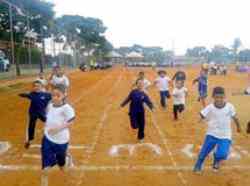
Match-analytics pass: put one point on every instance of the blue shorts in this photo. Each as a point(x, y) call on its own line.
point(202, 94)
point(52, 153)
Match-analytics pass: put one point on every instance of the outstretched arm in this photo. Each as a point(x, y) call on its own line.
point(237, 123)
point(24, 95)
point(126, 101)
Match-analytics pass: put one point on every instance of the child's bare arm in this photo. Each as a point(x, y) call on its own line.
point(237, 123)
point(24, 95)
point(61, 127)
point(126, 101)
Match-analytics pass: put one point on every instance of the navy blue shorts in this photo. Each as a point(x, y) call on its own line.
point(53, 154)
point(202, 94)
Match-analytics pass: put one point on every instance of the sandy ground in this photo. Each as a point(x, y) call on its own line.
point(101, 125)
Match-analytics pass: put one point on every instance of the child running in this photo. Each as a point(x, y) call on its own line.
point(202, 87)
point(180, 75)
point(137, 98)
point(58, 77)
point(146, 82)
point(42, 79)
point(163, 82)
point(39, 101)
point(60, 116)
point(219, 133)
point(179, 97)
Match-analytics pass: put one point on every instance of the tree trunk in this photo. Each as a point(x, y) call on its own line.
point(42, 61)
point(18, 71)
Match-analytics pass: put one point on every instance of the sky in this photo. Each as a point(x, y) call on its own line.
point(171, 24)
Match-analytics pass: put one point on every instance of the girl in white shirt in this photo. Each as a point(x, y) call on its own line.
point(146, 82)
point(163, 82)
point(60, 116)
point(219, 133)
point(179, 98)
point(59, 78)
point(42, 79)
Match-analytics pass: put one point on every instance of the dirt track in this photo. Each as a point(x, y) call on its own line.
point(100, 124)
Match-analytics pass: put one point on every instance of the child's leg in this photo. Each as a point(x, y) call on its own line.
point(133, 122)
point(181, 108)
point(48, 154)
point(163, 99)
point(61, 153)
point(175, 110)
point(203, 102)
point(207, 147)
point(30, 133)
point(222, 151)
point(141, 125)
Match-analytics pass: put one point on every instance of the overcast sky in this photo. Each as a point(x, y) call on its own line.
point(167, 23)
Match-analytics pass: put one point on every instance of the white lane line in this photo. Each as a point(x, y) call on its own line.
point(70, 146)
point(115, 149)
point(91, 150)
point(34, 156)
point(104, 117)
point(165, 142)
point(94, 168)
point(4, 146)
point(188, 150)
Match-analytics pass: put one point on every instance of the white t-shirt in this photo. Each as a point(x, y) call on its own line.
point(219, 120)
point(60, 80)
point(146, 83)
point(179, 95)
point(43, 81)
point(56, 117)
point(163, 83)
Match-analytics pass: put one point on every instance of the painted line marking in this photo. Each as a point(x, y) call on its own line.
point(70, 146)
point(4, 147)
point(122, 168)
point(115, 149)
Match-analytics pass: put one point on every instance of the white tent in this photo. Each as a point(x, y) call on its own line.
point(134, 55)
point(114, 54)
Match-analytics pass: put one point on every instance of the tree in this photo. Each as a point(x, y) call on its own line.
point(220, 54)
point(236, 45)
point(199, 51)
point(83, 34)
point(244, 55)
point(36, 14)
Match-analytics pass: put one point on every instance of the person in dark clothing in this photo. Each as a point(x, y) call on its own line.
point(137, 98)
point(37, 110)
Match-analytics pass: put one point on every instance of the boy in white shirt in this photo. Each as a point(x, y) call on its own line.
point(163, 82)
point(146, 82)
point(60, 116)
point(179, 98)
point(59, 78)
point(219, 133)
point(42, 79)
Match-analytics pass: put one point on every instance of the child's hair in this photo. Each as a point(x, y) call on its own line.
point(162, 72)
point(37, 82)
point(137, 81)
point(60, 87)
point(218, 91)
point(141, 73)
